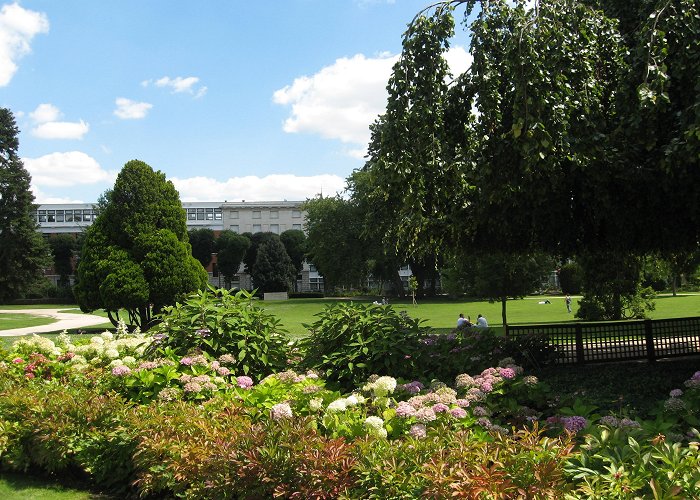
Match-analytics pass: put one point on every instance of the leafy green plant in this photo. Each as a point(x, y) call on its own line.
point(219, 322)
point(349, 342)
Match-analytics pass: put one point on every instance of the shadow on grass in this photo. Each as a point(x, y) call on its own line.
point(18, 486)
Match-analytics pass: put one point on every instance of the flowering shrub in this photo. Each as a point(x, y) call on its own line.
point(349, 342)
point(218, 322)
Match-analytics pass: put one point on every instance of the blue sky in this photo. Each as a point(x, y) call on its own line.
point(232, 100)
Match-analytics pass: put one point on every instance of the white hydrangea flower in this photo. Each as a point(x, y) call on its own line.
point(384, 386)
point(337, 406)
point(129, 360)
point(111, 353)
point(116, 362)
point(315, 404)
point(97, 340)
point(107, 336)
point(351, 400)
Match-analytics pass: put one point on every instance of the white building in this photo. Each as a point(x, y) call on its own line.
point(240, 217)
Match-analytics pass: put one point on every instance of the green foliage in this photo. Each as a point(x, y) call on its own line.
point(334, 244)
point(612, 288)
point(349, 342)
point(273, 270)
point(231, 248)
point(203, 245)
point(219, 322)
point(294, 241)
point(23, 252)
point(62, 248)
point(571, 278)
point(136, 256)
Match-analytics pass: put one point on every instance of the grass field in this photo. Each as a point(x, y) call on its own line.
point(10, 321)
point(440, 314)
point(24, 487)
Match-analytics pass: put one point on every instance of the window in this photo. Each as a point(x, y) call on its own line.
point(296, 214)
point(191, 214)
point(59, 215)
point(78, 215)
point(275, 228)
point(217, 214)
point(210, 214)
point(257, 228)
point(234, 228)
point(274, 214)
point(200, 214)
point(296, 226)
point(69, 215)
point(316, 284)
point(312, 268)
point(234, 214)
point(256, 214)
point(51, 216)
point(42, 215)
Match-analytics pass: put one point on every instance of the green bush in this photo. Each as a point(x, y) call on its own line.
point(218, 322)
point(571, 278)
point(349, 342)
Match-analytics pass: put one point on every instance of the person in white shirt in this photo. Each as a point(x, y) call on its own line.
point(481, 322)
point(461, 321)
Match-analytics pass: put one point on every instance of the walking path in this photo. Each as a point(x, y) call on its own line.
point(65, 321)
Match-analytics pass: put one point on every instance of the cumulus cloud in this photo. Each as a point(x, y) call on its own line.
point(66, 169)
point(131, 110)
point(48, 127)
point(342, 100)
point(252, 188)
point(45, 113)
point(40, 197)
point(179, 85)
point(61, 130)
point(18, 26)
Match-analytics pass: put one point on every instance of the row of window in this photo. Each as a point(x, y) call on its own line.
point(84, 215)
point(257, 228)
point(203, 214)
point(274, 214)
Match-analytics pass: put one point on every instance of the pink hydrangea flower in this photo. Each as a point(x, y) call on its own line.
point(18, 361)
point(458, 412)
point(418, 431)
point(405, 410)
point(281, 411)
point(575, 423)
point(507, 373)
point(440, 408)
point(244, 382)
point(121, 370)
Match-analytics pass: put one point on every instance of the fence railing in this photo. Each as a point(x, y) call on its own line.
point(581, 343)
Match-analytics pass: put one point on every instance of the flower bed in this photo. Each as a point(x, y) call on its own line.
point(145, 422)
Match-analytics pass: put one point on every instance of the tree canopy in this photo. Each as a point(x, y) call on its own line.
point(203, 245)
point(23, 252)
point(576, 128)
point(273, 270)
point(136, 256)
point(231, 248)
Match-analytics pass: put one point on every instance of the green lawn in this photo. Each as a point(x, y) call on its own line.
point(441, 313)
point(10, 321)
point(22, 487)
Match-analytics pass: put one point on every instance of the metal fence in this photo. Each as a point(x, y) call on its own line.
point(579, 343)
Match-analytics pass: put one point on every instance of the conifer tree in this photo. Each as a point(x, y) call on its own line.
point(23, 251)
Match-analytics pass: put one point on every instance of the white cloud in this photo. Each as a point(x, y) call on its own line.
point(131, 110)
point(61, 130)
point(17, 28)
point(66, 169)
point(252, 188)
point(342, 100)
point(45, 113)
point(41, 197)
point(179, 85)
point(46, 116)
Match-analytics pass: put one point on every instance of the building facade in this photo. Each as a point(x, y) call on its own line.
point(239, 217)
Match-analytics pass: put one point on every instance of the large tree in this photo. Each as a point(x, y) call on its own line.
point(334, 241)
point(203, 244)
point(136, 256)
point(273, 270)
point(294, 241)
point(231, 248)
point(63, 248)
point(23, 252)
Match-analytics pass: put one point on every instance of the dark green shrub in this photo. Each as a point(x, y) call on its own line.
point(219, 322)
point(571, 278)
point(349, 342)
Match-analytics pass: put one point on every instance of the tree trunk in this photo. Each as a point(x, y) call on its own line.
point(503, 314)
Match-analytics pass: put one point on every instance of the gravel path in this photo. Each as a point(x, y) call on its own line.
point(65, 321)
